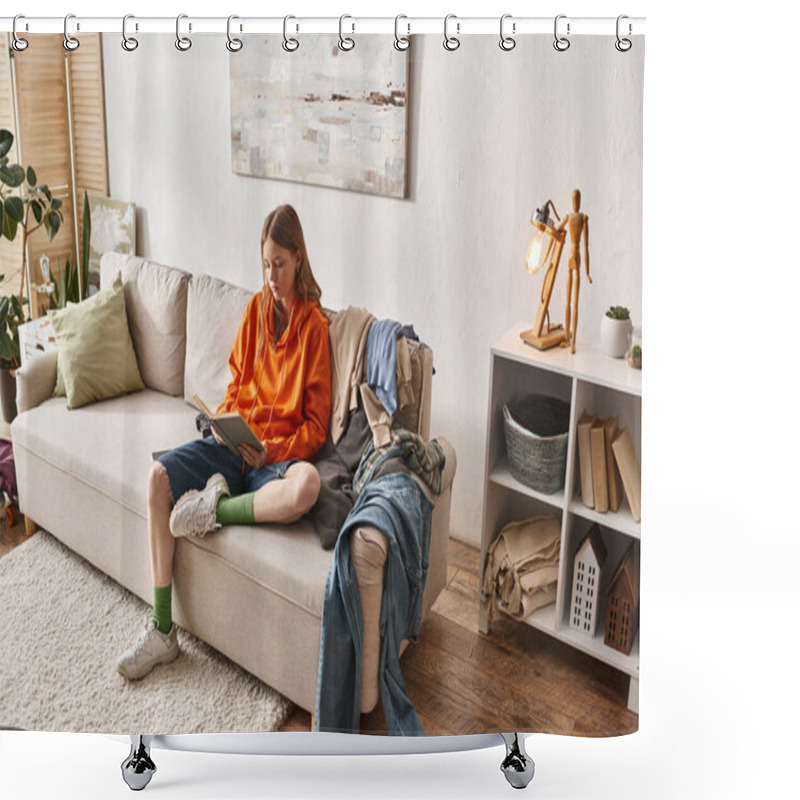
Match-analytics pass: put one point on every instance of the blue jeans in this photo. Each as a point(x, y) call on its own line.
point(397, 506)
point(192, 464)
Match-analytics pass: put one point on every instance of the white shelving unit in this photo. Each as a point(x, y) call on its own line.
point(588, 380)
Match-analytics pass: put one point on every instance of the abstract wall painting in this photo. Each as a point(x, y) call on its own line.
point(342, 127)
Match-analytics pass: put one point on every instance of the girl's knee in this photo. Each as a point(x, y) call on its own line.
point(158, 488)
point(308, 486)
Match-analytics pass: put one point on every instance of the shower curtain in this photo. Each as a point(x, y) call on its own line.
point(417, 175)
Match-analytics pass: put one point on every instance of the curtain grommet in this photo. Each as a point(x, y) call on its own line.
point(623, 44)
point(451, 43)
point(290, 44)
point(561, 43)
point(346, 43)
point(183, 43)
point(233, 44)
point(17, 42)
point(70, 42)
point(129, 43)
point(507, 43)
point(401, 43)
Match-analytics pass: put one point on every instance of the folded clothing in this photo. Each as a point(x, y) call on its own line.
point(522, 566)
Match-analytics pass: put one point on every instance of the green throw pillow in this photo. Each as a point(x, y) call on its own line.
point(95, 353)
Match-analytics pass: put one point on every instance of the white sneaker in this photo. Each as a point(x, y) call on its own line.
point(151, 649)
point(195, 513)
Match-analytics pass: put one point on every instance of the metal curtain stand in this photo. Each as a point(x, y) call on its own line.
point(138, 768)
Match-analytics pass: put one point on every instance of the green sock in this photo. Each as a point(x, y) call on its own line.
point(236, 510)
point(162, 607)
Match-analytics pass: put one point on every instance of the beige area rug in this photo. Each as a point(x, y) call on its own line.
point(62, 626)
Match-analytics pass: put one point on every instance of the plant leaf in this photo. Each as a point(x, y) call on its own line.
point(37, 210)
point(85, 244)
point(55, 224)
point(31, 176)
point(15, 208)
point(9, 227)
point(6, 140)
point(13, 175)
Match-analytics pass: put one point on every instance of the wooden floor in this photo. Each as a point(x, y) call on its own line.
point(514, 679)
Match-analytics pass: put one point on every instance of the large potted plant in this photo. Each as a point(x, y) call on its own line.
point(25, 206)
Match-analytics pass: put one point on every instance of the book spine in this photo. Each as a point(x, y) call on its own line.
point(614, 478)
point(585, 458)
point(599, 476)
point(630, 471)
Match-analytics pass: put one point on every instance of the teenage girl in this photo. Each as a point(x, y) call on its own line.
point(281, 384)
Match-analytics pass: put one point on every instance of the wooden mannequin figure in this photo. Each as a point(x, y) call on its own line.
point(578, 227)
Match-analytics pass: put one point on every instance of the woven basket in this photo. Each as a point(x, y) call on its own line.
point(536, 430)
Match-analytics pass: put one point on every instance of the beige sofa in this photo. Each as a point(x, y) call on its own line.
point(82, 476)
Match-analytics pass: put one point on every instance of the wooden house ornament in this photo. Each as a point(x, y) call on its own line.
point(622, 611)
point(586, 572)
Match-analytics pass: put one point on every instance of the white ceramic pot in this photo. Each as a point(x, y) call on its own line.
point(614, 335)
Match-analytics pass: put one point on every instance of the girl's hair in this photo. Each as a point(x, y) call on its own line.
point(282, 225)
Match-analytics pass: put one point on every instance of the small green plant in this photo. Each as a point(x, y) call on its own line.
point(636, 353)
point(618, 312)
point(66, 286)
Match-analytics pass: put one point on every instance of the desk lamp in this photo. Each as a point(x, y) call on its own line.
point(545, 248)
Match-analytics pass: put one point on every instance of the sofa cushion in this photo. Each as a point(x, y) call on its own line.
point(95, 354)
point(124, 434)
point(213, 313)
point(155, 298)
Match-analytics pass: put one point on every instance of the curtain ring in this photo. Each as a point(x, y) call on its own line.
point(17, 42)
point(451, 42)
point(183, 43)
point(401, 42)
point(561, 43)
point(507, 42)
point(128, 43)
point(233, 44)
point(290, 44)
point(70, 42)
point(623, 45)
point(345, 42)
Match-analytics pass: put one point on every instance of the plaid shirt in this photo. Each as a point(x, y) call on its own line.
point(426, 459)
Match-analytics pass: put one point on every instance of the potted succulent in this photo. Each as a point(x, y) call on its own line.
point(614, 329)
point(25, 206)
point(635, 349)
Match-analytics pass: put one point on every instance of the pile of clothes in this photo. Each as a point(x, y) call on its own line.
point(367, 468)
point(522, 566)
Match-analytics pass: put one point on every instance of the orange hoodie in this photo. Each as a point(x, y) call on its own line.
point(283, 391)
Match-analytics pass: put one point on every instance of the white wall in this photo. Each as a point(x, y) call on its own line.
point(492, 135)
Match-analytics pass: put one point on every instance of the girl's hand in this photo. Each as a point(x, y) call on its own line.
point(255, 458)
point(217, 438)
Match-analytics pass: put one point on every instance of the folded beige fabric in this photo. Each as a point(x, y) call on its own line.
point(522, 566)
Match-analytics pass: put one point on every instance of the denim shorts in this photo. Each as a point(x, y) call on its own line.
point(192, 464)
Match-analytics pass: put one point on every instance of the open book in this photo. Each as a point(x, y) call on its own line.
point(231, 427)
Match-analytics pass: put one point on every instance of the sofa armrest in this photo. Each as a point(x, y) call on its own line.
point(36, 380)
point(368, 551)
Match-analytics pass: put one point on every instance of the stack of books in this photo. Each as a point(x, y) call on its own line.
point(608, 464)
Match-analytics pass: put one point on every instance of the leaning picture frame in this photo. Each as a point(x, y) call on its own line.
point(113, 230)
